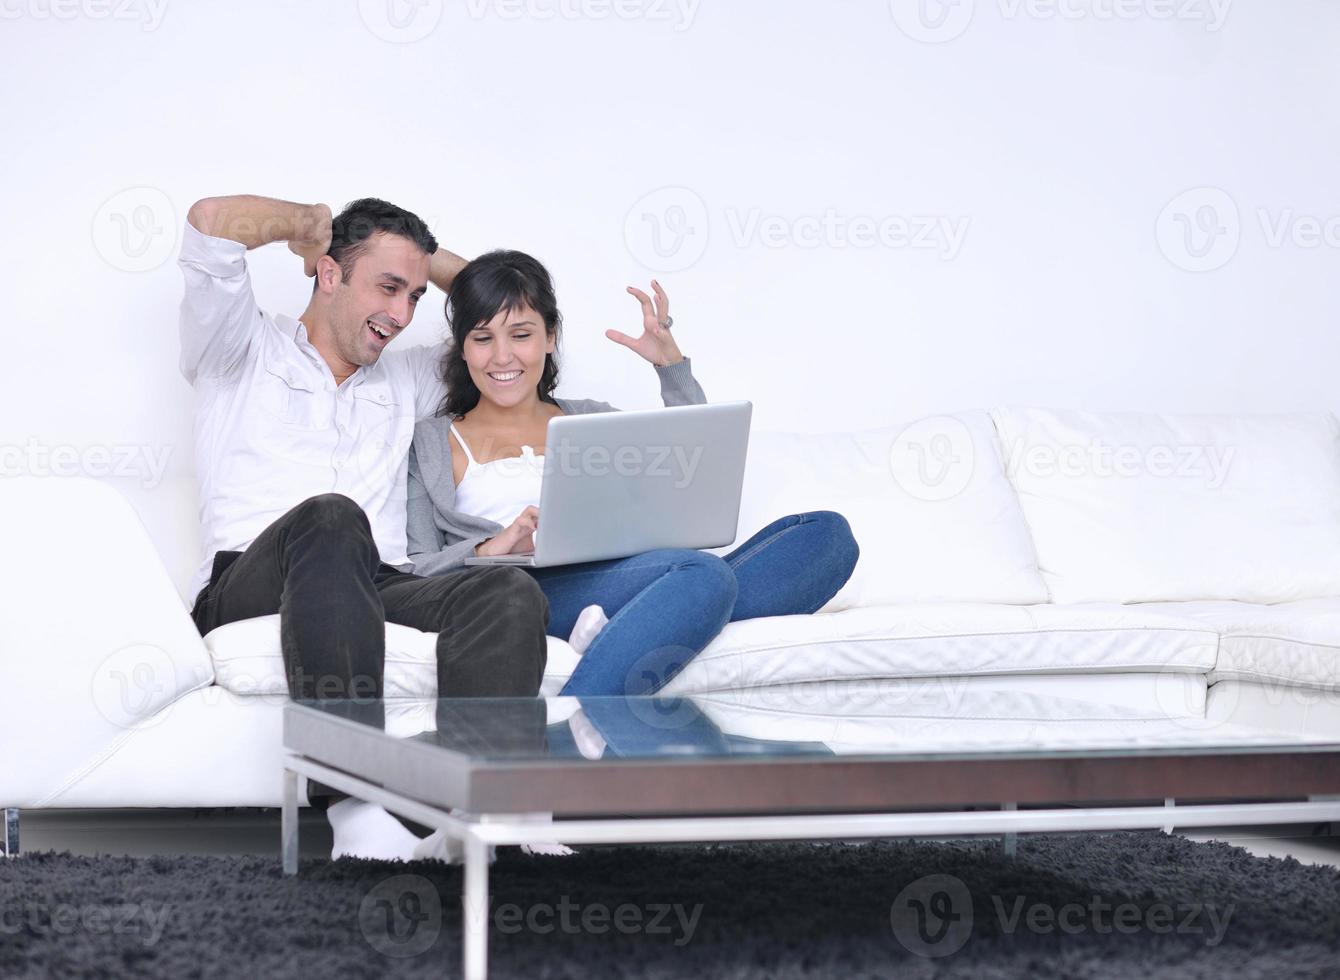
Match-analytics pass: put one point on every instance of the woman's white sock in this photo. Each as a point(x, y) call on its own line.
point(590, 621)
point(366, 830)
point(544, 848)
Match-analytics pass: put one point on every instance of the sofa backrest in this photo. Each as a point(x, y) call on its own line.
point(1131, 507)
point(928, 502)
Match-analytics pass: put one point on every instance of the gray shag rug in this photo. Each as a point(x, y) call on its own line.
point(1123, 905)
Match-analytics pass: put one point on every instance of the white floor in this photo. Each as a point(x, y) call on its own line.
point(249, 831)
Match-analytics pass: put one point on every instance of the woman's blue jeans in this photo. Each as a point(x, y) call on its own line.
point(665, 606)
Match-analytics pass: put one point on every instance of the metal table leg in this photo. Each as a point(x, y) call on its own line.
point(475, 918)
point(288, 832)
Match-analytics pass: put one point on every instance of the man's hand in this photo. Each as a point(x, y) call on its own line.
point(655, 345)
point(517, 538)
point(312, 237)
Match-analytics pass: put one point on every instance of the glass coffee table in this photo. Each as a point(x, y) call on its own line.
point(768, 765)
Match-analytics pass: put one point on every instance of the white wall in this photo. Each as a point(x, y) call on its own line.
point(1050, 134)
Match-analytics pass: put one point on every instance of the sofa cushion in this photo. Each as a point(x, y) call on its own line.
point(1291, 644)
point(946, 639)
point(247, 660)
point(982, 720)
point(1302, 712)
point(928, 502)
point(1164, 694)
point(1139, 507)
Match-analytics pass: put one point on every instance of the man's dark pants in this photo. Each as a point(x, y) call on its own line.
point(318, 567)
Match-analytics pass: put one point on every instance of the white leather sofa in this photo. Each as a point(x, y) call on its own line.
point(1158, 566)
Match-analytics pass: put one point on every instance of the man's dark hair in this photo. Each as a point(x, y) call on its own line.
point(361, 219)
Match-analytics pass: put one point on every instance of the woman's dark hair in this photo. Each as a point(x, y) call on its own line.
point(493, 283)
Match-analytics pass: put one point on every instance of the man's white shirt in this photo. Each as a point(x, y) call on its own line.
point(272, 428)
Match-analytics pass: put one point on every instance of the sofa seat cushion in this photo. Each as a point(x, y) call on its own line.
point(947, 639)
point(247, 660)
point(1305, 712)
point(1159, 694)
point(1292, 644)
point(975, 720)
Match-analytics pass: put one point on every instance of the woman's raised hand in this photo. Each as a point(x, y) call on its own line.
point(656, 344)
point(517, 538)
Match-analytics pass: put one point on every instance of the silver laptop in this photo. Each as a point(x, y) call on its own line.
point(621, 483)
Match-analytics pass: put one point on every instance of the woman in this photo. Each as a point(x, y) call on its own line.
point(474, 487)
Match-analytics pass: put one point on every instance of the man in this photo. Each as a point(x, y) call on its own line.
point(302, 431)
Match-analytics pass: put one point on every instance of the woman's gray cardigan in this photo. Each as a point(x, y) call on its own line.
point(441, 537)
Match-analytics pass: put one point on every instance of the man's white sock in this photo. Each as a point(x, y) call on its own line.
point(366, 830)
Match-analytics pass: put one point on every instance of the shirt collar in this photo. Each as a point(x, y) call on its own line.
point(298, 329)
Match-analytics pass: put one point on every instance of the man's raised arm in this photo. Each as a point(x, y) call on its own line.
point(219, 315)
point(443, 267)
point(255, 221)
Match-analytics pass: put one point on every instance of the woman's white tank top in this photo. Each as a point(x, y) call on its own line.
point(501, 489)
